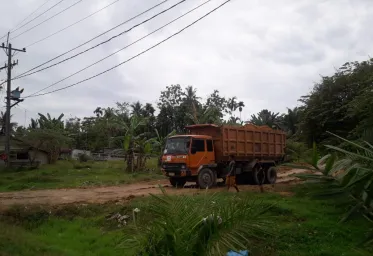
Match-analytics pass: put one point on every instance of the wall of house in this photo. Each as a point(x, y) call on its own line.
point(76, 152)
point(41, 157)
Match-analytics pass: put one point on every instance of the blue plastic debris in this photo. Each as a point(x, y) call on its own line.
point(240, 253)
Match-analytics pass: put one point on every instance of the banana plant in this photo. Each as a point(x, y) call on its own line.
point(131, 139)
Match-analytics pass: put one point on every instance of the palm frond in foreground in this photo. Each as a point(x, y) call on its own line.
point(351, 175)
point(212, 225)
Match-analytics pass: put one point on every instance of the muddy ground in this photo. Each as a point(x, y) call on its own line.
point(125, 192)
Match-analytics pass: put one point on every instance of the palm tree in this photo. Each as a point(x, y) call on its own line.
point(291, 120)
point(3, 116)
point(241, 105)
point(190, 95)
point(193, 226)
point(232, 105)
point(137, 108)
point(265, 117)
point(206, 115)
point(191, 100)
point(148, 110)
point(98, 111)
point(109, 113)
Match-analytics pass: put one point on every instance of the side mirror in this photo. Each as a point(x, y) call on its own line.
point(193, 150)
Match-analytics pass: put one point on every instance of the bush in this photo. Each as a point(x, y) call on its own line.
point(295, 151)
point(84, 158)
point(349, 177)
point(211, 225)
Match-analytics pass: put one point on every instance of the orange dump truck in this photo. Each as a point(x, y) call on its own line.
point(202, 155)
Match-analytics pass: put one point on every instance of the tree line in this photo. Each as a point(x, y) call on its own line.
point(339, 104)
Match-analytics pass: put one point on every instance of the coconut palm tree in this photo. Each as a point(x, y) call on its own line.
point(137, 109)
point(3, 116)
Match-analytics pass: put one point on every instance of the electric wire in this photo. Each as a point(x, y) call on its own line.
point(107, 31)
point(37, 9)
point(73, 24)
point(135, 56)
point(44, 21)
point(125, 47)
point(104, 42)
point(50, 8)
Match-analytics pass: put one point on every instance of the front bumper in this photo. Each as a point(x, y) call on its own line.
point(175, 170)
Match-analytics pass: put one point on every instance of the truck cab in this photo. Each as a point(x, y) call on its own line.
point(185, 155)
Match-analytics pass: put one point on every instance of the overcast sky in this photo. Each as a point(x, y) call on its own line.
point(268, 53)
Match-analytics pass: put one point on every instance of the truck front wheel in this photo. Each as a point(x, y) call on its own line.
point(206, 178)
point(177, 182)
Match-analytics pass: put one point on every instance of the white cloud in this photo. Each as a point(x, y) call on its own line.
point(268, 53)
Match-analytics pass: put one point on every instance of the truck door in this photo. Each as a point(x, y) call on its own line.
point(210, 155)
point(197, 155)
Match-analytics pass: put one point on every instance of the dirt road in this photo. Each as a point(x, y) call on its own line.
point(116, 193)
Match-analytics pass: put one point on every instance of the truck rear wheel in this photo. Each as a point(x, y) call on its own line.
point(206, 178)
point(259, 175)
point(177, 182)
point(271, 175)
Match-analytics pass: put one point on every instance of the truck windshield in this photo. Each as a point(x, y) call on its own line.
point(177, 146)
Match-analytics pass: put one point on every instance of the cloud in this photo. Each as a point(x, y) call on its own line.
point(267, 53)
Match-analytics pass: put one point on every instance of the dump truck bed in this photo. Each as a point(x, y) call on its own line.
point(244, 142)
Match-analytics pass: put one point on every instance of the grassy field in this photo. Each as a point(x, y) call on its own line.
point(65, 174)
point(302, 226)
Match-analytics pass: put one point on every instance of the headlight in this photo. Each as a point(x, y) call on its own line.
point(164, 166)
point(183, 167)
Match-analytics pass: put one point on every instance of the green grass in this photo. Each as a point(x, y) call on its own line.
point(302, 226)
point(65, 174)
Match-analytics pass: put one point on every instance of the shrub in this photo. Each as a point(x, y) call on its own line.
point(185, 225)
point(350, 175)
point(84, 158)
point(295, 151)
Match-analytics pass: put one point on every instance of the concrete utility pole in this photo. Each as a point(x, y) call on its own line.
point(9, 67)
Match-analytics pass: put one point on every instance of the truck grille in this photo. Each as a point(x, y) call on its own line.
point(172, 167)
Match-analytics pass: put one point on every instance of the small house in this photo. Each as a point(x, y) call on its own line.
point(23, 153)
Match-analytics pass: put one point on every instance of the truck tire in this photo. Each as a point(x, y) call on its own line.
point(177, 182)
point(259, 175)
point(206, 178)
point(271, 175)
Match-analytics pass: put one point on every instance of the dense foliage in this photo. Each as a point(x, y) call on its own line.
point(340, 104)
point(213, 226)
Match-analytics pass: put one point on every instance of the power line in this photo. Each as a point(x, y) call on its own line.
point(107, 31)
point(104, 42)
point(37, 9)
point(138, 40)
point(63, 29)
point(55, 15)
point(133, 57)
point(36, 17)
